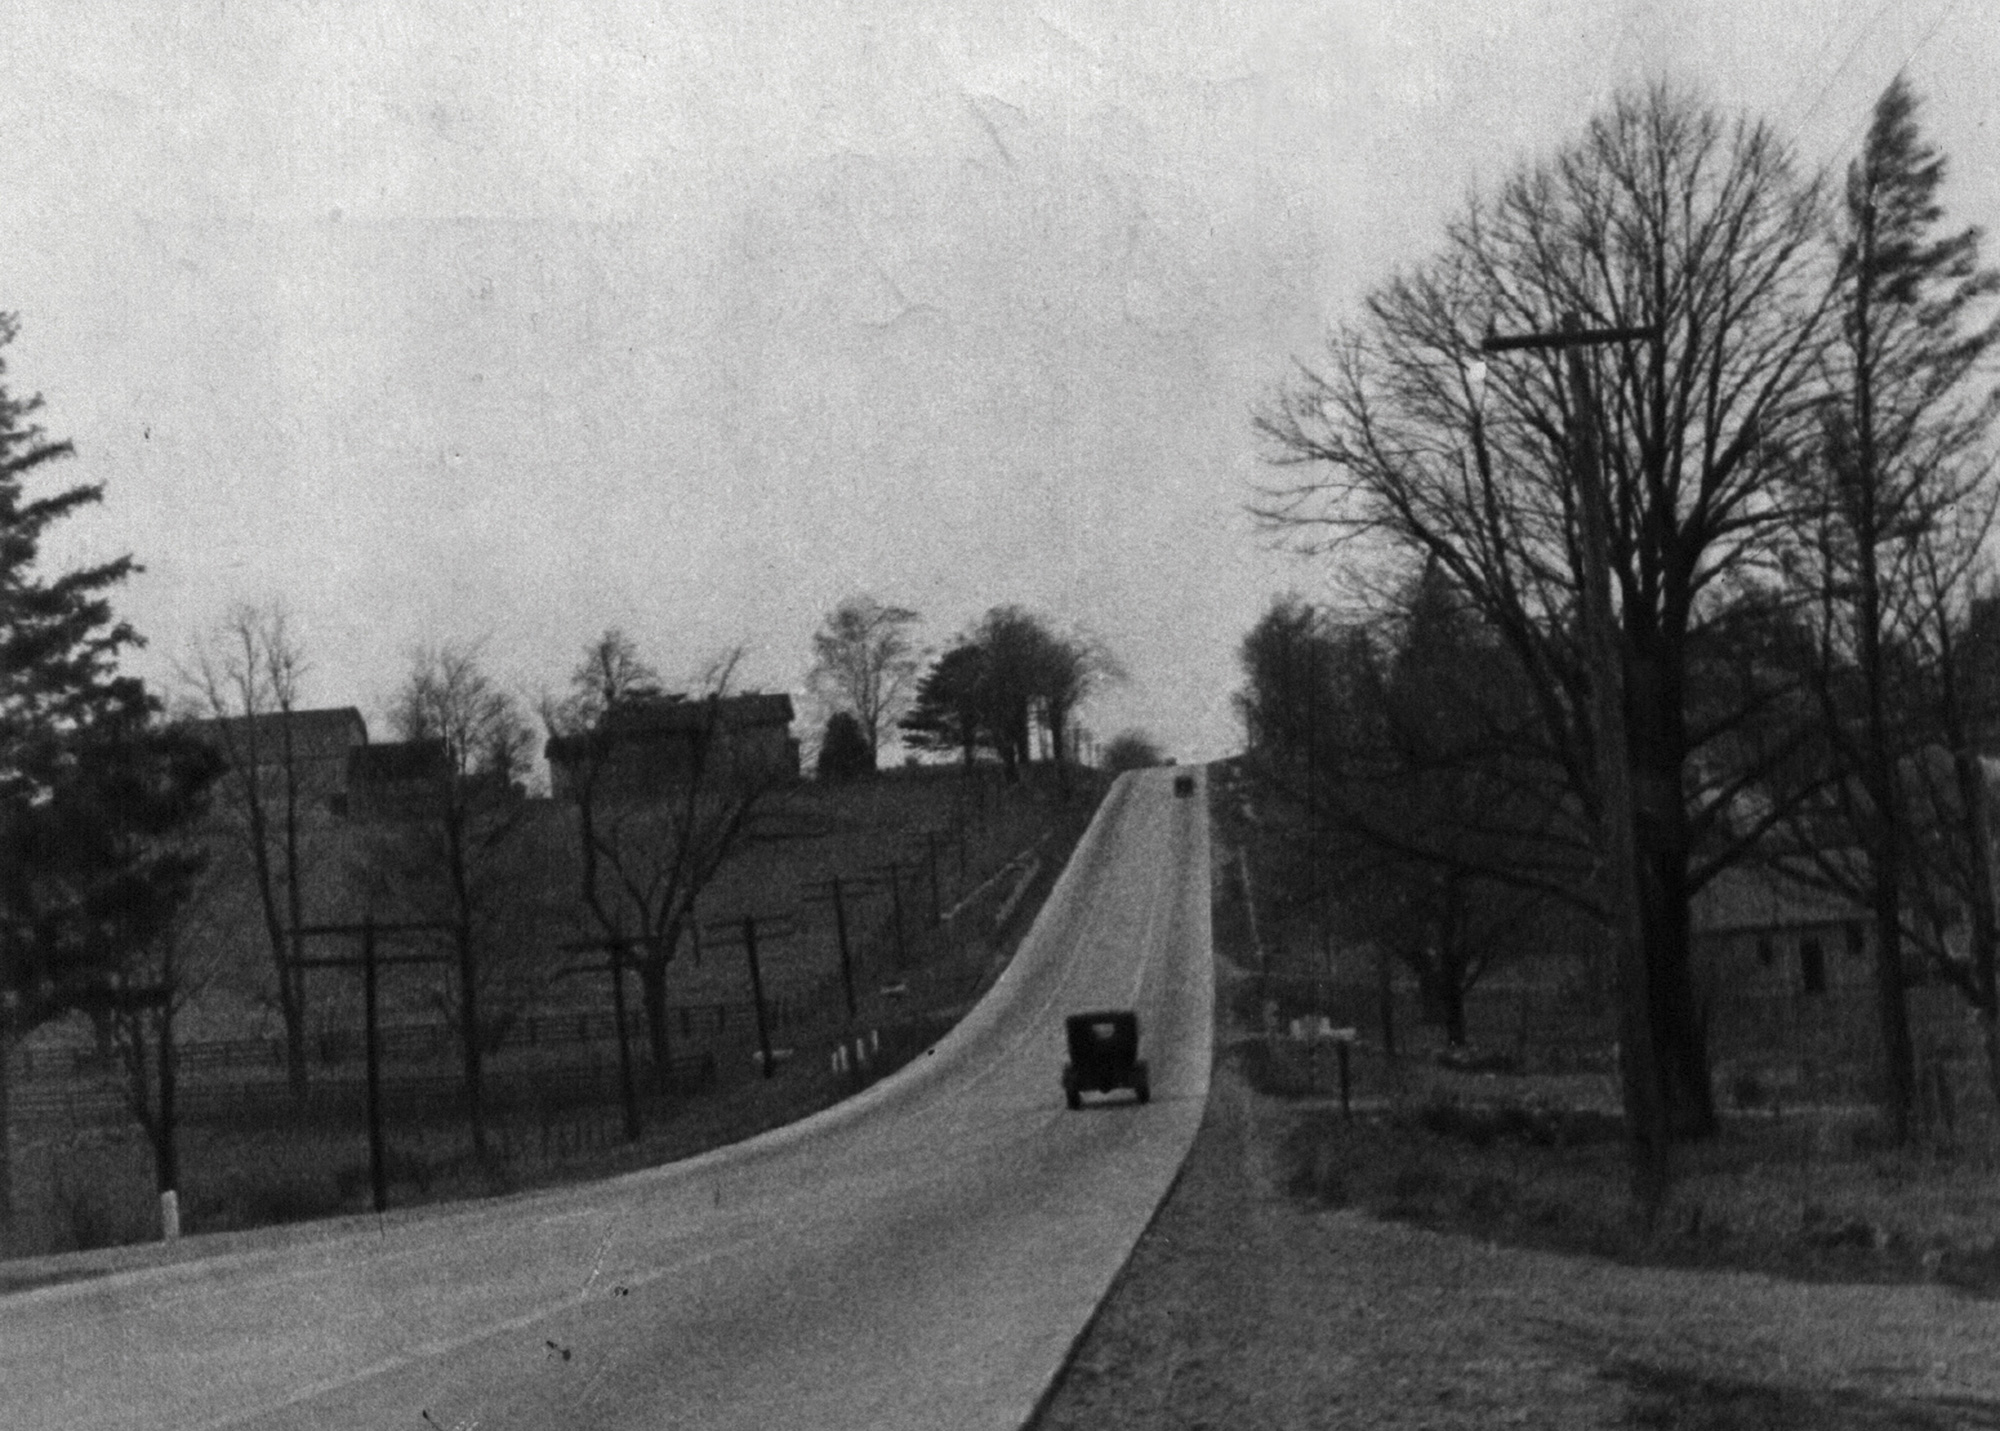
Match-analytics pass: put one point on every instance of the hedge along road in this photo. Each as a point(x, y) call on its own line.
point(923, 1255)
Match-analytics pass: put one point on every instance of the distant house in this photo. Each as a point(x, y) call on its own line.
point(1757, 930)
point(319, 742)
point(654, 744)
point(394, 777)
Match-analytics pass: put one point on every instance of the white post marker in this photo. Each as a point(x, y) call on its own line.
point(170, 1216)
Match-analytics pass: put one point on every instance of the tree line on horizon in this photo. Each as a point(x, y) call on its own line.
point(1782, 384)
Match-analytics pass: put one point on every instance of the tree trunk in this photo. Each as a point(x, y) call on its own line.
point(6, 1139)
point(653, 995)
point(1451, 1005)
point(291, 1008)
point(1989, 1032)
point(1879, 768)
point(468, 996)
point(1680, 1041)
point(1657, 747)
point(292, 988)
point(1984, 936)
point(166, 1149)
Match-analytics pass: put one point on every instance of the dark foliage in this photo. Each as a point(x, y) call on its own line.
point(844, 753)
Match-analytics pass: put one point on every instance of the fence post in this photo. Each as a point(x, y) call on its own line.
point(757, 991)
point(378, 1172)
point(846, 958)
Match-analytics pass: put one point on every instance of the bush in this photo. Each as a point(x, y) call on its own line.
point(1131, 750)
point(843, 750)
point(1536, 1124)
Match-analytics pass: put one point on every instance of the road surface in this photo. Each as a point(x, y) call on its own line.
point(921, 1256)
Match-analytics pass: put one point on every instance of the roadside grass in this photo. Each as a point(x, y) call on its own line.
point(1508, 1144)
point(1669, 1399)
point(79, 1189)
point(1529, 1152)
point(1767, 1195)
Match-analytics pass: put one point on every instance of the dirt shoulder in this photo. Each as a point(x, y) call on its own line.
point(1245, 1306)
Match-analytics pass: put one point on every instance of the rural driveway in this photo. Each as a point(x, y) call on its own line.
point(921, 1256)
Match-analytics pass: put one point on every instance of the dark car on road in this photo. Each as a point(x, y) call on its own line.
point(1104, 1056)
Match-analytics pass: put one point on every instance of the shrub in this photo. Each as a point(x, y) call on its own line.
point(843, 749)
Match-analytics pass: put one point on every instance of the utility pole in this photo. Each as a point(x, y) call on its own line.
point(937, 901)
point(746, 931)
point(370, 963)
point(1645, 1103)
point(133, 1000)
point(615, 950)
point(831, 892)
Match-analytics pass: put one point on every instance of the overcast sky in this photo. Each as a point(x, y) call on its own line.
point(458, 321)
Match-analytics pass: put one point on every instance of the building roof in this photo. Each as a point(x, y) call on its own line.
point(679, 713)
point(390, 761)
point(1748, 898)
point(316, 734)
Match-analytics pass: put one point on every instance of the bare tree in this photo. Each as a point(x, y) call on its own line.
point(1069, 670)
point(865, 662)
point(458, 858)
point(646, 849)
point(178, 963)
point(1662, 215)
point(246, 678)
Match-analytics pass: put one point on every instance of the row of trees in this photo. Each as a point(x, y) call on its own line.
point(1001, 679)
point(1008, 675)
point(1779, 386)
point(1418, 834)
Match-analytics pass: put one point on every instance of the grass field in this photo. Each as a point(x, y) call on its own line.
point(263, 1161)
point(1521, 1143)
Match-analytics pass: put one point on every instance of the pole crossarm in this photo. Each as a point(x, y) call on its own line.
point(125, 998)
point(411, 926)
point(821, 892)
point(730, 931)
point(370, 963)
point(1568, 338)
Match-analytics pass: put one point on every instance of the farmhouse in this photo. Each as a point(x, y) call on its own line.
point(316, 742)
point(394, 778)
point(651, 745)
point(1758, 931)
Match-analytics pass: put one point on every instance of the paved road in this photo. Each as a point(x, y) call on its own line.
point(922, 1256)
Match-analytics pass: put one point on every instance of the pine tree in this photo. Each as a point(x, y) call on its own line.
point(1900, 429)
point(946, 715)
point(90, 784)
point(843, 750)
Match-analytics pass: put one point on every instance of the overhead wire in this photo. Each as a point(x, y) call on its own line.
point(1861, 36)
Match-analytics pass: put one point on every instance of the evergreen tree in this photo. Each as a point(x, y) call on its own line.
point(89, 781)
point(84, 773)
point(843, 750)
point(946, 715)
point(1903, 499)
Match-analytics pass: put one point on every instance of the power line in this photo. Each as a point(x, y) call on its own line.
point(1854, 49)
